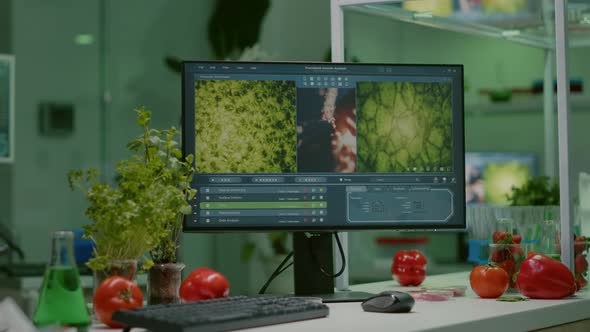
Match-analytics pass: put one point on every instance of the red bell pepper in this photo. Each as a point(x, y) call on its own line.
point(409, 267)
point(542, 277)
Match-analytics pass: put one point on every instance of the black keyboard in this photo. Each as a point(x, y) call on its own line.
point(224, 314)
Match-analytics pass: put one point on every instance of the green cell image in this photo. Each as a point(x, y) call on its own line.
point(403, 126)
point(245, 127)
point(499, 178)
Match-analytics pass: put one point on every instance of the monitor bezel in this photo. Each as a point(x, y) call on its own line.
point(330, 228)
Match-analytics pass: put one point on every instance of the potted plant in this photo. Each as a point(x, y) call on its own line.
point(164, 276)
point(143, 212)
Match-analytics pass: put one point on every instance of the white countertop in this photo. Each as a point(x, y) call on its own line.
point(86, 281)
point(469, 313)
point(458, 314)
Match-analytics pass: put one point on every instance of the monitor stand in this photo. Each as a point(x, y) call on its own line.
point(312, 253)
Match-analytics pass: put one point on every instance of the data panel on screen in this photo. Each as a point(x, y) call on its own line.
point(324, 146)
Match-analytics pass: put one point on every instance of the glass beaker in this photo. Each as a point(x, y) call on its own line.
point(125, 268)
point(505, 225)
point(61, 300)
point(550, 242)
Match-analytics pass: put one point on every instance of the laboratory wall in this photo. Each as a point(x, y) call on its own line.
point(105, 58)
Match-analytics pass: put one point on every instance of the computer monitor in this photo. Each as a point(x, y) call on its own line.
point(324, 146)
point(490, 176)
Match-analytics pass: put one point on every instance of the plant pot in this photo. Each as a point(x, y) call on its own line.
point(164, 283)
point(124, 268)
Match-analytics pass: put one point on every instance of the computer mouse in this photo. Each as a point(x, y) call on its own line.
point(389, 301)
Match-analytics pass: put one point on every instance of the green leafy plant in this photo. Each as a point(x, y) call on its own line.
point(536, 191)
point(144, 212)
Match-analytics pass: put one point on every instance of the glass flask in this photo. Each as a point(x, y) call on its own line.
point(61, 301)
point(550, 243)
point(505, 225)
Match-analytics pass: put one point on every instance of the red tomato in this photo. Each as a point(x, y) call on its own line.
point(516, 252)
point(516, 238)
point(580, 282)
point(409, 267)
point(203, 283)
point(580, 264)
point(409, 276)
point(488, 282)
point(502, 237)
point(116, 293)
point(542, 277)
point(579, 244)
point(509, 266)
point(498, 255)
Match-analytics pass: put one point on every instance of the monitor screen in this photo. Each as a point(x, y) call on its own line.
point(490, 176)
point(323, 146)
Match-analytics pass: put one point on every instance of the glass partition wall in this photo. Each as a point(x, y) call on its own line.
point(509, 52)
point(82, 68)
point(81, 71)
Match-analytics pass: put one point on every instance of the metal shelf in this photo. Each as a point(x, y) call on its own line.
point(552, 25)
point(528, 104)
point(528, 22)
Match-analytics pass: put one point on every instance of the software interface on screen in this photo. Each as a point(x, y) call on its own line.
point(332, 146)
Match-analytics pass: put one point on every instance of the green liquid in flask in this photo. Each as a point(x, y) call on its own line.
point(61, 300)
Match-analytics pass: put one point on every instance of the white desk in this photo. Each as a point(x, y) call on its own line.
point(459, 314)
